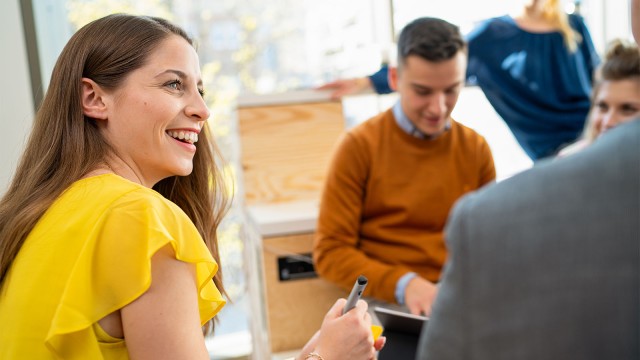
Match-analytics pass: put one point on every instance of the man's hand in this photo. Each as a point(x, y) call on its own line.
point(420, 295)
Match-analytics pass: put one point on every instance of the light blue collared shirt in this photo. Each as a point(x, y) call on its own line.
point(401, 286)
point(407, 126)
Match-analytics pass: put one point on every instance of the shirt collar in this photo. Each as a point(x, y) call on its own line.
point(407, 126)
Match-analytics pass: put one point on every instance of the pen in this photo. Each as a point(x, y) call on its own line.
point(355, 294)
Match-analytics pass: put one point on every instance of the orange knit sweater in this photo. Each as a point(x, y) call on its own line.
point(386, 200)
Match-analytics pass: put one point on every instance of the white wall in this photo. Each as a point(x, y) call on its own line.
point(607, 20)
point(16, 104)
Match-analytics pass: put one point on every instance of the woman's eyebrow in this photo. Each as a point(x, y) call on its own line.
point(179, 73)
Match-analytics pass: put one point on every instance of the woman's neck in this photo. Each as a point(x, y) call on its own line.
point(115, 165)
point(531, 19)
point(532, 11)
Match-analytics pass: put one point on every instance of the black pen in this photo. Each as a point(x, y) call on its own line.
point(355, 294)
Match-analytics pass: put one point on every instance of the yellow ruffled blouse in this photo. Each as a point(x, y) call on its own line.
point(89, 255)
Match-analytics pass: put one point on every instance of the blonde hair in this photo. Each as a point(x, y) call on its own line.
point(555, 15)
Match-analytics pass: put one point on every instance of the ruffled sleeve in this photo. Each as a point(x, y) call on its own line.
point(114, 268)
point(586, 46)
point(379, 80)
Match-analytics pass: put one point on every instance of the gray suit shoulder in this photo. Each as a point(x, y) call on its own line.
point(545, 265)
point(610, 166)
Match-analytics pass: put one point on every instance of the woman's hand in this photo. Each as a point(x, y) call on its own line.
point(345, 336)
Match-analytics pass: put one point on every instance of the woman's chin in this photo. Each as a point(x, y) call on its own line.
point(182, 169)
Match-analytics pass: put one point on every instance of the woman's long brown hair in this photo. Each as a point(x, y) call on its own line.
point(64, 145)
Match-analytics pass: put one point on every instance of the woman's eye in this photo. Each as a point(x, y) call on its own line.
point(175, 84)
point(629, 109)
point(602, 106)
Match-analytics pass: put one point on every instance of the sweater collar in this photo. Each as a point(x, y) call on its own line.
point(408, 127)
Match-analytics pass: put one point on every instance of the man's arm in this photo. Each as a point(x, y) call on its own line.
point(337, 256)
point(445, 336)
point(487, 166)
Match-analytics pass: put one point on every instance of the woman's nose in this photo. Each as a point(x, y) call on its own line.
point(610, 120)
point(197, 108)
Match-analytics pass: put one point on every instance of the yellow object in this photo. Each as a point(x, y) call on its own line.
point(89, 255)
point(376, 330)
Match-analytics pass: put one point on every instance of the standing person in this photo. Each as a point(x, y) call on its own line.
point(108, 230)
point(616, 93)
point(565, 284)
point(394, 177)
point(535, 68)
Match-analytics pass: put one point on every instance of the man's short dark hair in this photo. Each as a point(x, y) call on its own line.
point(432, 39)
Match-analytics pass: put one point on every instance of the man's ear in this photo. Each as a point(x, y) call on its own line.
point(392, 78)
point(93, 104)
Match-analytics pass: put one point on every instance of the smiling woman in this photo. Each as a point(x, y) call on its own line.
point(81, 205)
point(616, 94)
point(163, 95)
point(114, 209)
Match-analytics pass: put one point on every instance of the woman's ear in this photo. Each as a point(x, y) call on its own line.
point(93, 104)
point(392, 78)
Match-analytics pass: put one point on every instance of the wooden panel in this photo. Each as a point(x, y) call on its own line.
point(286, 149)
point(295, 308)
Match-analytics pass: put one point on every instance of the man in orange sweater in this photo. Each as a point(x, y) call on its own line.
point(395, 177)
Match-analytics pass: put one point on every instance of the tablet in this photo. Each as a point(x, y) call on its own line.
point(400, 322)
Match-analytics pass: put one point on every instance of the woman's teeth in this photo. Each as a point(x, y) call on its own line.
point(185, 136)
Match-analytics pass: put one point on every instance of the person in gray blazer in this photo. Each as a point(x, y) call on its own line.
point(546, 264)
